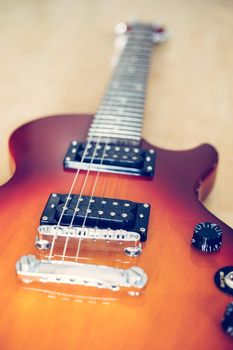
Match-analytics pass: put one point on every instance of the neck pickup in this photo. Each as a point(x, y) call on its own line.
point(104, 157)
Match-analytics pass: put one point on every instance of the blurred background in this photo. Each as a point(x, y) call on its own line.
point(55, 58)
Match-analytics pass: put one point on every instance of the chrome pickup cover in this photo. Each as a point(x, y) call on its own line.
point(30, 269)
point(99, 213)
point(110, 158)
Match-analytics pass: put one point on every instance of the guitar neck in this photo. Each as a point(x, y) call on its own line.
point(119, 118)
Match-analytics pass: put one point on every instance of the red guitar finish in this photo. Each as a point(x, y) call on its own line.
point(181, 308)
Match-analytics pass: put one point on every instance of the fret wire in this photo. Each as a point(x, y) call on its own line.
point(129, 84)
point(114, 133)
point(123, 100)
point(117, 122)
point(118, 80)
point(122, 83)
point(136, 95)
point(123, 107)
point(125, 133)
point(134, 88)
point(141, 45)
point(131, 71)
point(132, 78)
point(119, 112)
point(137, 106)
point(139, 54)
point(130, 67)
point(139, 96)
point(110, 130)
point(135, 66)
point(119, 118)
point(117, 127)
point(116, 102)
point(126, 91)
point(137, 50)
point(134, 60)
point(120, 109)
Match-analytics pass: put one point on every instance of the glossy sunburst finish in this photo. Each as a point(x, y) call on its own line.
point(180, 308)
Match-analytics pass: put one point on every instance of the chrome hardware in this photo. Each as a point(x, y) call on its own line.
point(30, 269)
point(159, 37)
point(121, 28)
point(42, 244)
point(89, 233)
point(133, 251)
point(229, 280)
point(160, 34)
point(129, 241)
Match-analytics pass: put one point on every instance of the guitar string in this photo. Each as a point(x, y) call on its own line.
point(90, 200)
point(79, 200)
point(70, 192)
point(80, 197)
point(91, 197)
point(118, 178)
point(68, 198)
point(127, 143)
point(81, 194)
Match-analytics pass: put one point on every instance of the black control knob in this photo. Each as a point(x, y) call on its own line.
point(227, 322)
point(207, 237)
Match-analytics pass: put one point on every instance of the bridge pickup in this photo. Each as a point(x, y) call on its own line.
point(111, 158)
point(30, 269)
point(120, 224)
point(99, 213)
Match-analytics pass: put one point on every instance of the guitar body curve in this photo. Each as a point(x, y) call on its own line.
point(181, 307)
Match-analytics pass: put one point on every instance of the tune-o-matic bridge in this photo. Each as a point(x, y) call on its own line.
point(113, 158)
point(114, 221)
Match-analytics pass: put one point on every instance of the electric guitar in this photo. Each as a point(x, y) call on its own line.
point(105, 243)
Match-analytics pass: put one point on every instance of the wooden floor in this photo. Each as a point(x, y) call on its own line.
point(56, 55)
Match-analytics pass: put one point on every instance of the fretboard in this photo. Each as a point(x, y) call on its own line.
point(119, 118)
